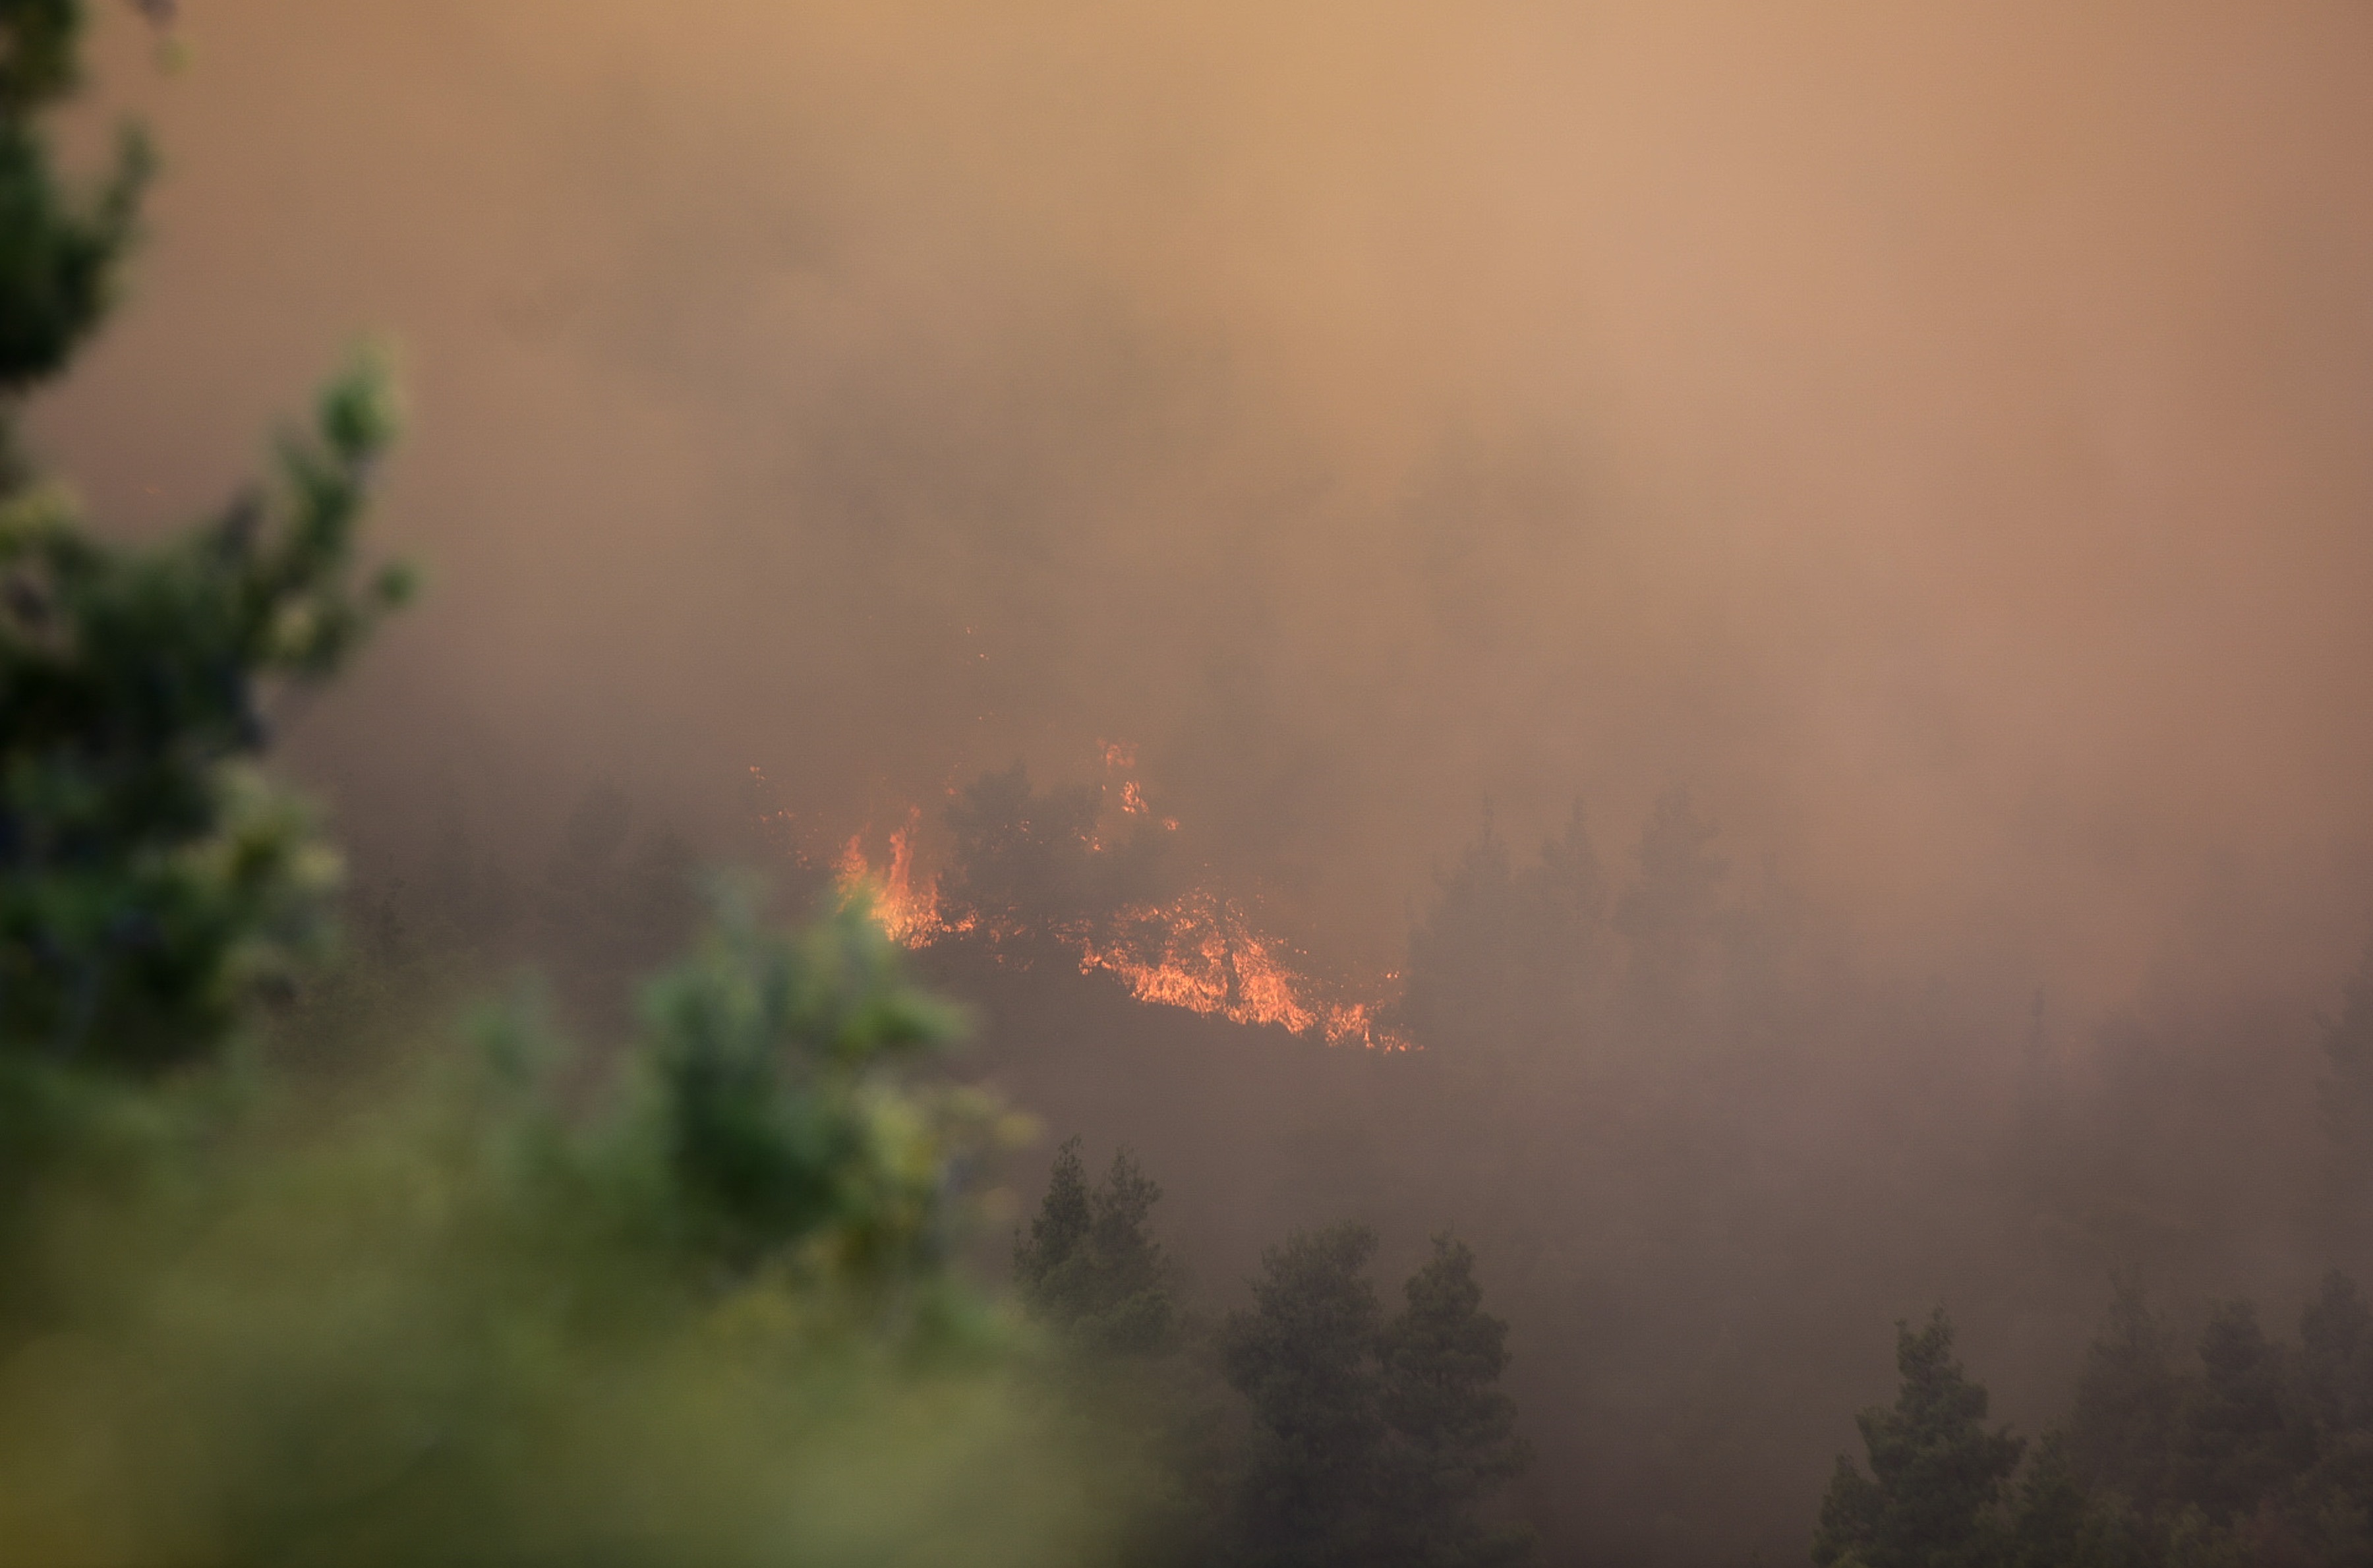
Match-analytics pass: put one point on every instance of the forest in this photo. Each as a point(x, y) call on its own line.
point(443, 1126)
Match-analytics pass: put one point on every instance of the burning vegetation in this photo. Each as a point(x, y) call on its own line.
point(1086, 872)
point(1320, 391)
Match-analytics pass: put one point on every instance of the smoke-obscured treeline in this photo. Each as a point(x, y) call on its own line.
point(1901, 468)
point(1927, 433)
point(1705, 1158)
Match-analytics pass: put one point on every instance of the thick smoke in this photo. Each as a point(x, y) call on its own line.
point(1937, 441)
point(1935, 438)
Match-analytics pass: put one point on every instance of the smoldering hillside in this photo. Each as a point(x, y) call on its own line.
point(1709, 1158)
point(1935, 441)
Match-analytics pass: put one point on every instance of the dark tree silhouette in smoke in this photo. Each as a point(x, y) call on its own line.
point(1669, 913)
point(1090, 1267)
point(1511, 957)
point(1441, 1357)
point(2127, 1400)
point(1938, 1478)
point(1375, 1441)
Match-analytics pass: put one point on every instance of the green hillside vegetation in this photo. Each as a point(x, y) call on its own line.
point(2254, 1453)
point(475, 1300)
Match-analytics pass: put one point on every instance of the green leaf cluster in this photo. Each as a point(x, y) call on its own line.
point(150, 879)
point(62, 243)
point(691, 1303)
point(492, 1314)
point(771, 1086)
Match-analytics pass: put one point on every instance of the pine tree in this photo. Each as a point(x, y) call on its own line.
point(2235, 1442)
point(498, 1314)
point(61, 248)
point(1090, 1267)
point(150, 880)
point(1128, 1362)
point(2128, 1398)
point(1441, 1360)
point(2058, 1524)
point(1303, 1358)
point(1462, 974)
point(1935, 1495)
point(1060, 1226)
point(1023, 857)
point(1507, 951)
point(1134, 1309)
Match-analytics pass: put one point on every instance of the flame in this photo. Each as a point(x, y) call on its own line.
point(1201, 952)
point(907, 911)
point(1122, 758)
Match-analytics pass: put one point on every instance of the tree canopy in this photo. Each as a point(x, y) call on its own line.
point(150, 878)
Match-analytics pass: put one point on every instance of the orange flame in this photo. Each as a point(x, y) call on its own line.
point(908, 912)
point(1200, 953)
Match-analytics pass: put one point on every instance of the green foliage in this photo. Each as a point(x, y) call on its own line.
point(1935, 1495)
point(1090, 1267)
point(692, 1307)
point(2261, 1455)
point(154, 880)
point(786, 1138)
point(1136, 1371)
point(150, 879)
point(1441, 1358)
point(1375, 1441)
point(1058, 1232)
point(477, 1322)
point(60, 248)
point(2058, 1524)
point(1303, 1358)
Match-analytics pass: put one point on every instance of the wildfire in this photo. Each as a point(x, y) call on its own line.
point(1201, 952)
point(908, 912)
point(1120, 758)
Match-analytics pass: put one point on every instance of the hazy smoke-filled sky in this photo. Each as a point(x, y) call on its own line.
point(1938, 435)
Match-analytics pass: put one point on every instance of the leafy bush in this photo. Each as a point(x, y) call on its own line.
point(486, 1307)
point(705, 1319)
